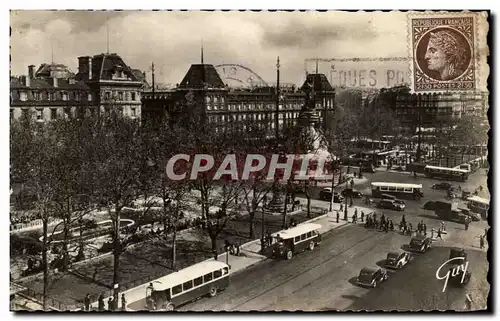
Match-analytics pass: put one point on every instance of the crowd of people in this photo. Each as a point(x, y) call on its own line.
point(101, 306)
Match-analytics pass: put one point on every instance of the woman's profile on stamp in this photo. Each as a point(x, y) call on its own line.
point(447, 54)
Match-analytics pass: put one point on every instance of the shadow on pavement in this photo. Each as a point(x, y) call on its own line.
point(434, 217)
point(350, 297)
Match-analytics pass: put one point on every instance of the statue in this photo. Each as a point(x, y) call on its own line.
point(309, 91)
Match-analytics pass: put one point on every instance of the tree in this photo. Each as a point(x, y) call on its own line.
point(117, 167)
point(33, 162)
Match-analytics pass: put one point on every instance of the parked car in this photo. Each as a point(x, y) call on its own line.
point(466, 195)
point(420, 243)
point(397, 260)
point(371, 276)
point(443, 185)
point(326, 195)
point(350, 192)
point(391, 205)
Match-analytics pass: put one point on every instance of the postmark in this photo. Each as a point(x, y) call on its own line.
point(443, 51)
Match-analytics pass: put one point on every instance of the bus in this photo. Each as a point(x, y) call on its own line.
point(400, 190)
point(447, 173)
point(186, 285)
point(479, 205)
point(296, 240)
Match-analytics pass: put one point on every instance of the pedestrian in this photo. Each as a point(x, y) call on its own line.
point(214, 253)
point(481, 242)
point(443, 227)
point(425, 229)
point(110, 304)
point(356, 212)
point(439, 236)
point(362, 216)
point(341, 206)
point(100, 303)
point(124, 302)
point(238, 249)
point(350, 202)
point(432, 233)
point(338, 215)
point(86, 302)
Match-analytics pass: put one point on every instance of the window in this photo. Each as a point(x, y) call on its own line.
point(53, 113)
point(225, 271)
point(392, 189)
point(383, 188)
point(12, 114)
point(296, 239)
point(133, 111)
point(217, 274)
point(120, 95)
point(400, 189)
point(107, 95)
point(187, 286)
point(23, 96)
point(67, 111)
point(89, 98)
point(409, 190)
point(198, 281)
point(64, 95)
point(309, 234)
point(303, 237)
point(177, 289)
point(39, 114)
point(207, 278)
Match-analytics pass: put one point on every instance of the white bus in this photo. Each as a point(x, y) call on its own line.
point(479, 205)
point(186, 285)
point(446, 173)
point(400, 190)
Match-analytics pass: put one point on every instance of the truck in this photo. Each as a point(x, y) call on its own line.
point(448, 211)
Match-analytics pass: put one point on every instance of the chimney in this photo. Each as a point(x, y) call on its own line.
point(90, 67)
point(85, 66)
point(31, 75)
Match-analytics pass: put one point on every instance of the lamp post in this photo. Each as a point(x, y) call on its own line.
point(262, 233)
point(345, 207)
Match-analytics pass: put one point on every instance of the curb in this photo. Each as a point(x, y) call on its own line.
point(263, 259)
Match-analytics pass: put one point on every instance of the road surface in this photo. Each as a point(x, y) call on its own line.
point(324, 279)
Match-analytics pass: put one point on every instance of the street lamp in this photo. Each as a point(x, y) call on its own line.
point(345, 207)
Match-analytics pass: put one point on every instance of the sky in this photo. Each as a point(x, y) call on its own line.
point(172, 40)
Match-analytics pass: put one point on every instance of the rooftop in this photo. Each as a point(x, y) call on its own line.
point(201, 76)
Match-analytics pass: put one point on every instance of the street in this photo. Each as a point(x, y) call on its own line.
point(324, 279)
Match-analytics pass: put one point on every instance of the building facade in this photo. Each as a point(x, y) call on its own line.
point(432, 107)
point(112, 84)
point(53, 91)
point(49, 93)
point(203, 94)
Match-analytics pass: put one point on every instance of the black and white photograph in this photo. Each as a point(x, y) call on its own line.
point(317, 161)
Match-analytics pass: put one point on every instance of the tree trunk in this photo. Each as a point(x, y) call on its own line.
point(283, 225)
point(251, 231)
point(308, 197)
point(174, 247)
point(116, 256)
point(213, 240)
point(45, 264)
point(65, 245)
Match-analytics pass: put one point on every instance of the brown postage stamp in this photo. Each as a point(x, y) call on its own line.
point(448, 51)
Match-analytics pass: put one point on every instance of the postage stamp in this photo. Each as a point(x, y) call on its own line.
point(444, 51)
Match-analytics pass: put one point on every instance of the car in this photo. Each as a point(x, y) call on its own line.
point(371, 276)
point(349, 192)
point(397, 260)
point(326, 195)
point(420, 243)
point(443, 185)
point(456, 278)
point(457, 252)
point(368, 169)
point(391, 205)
